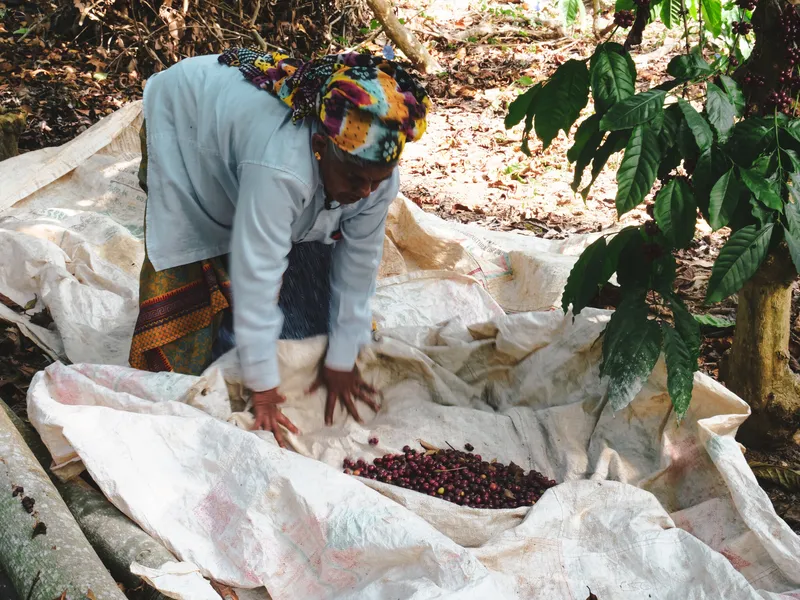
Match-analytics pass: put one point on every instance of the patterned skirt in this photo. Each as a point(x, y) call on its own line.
point(185, 319)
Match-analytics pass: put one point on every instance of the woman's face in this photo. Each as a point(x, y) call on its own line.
point(345, 182)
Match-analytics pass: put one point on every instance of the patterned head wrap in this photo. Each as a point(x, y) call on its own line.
point(368, 106)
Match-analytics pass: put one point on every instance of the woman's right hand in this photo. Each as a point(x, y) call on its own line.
point(269, 416)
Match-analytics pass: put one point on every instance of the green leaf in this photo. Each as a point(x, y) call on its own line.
point(689, 66)
point(615, 249)
point(613, 78)
point(670, 160)
point(738, 260)
point(588, 152)
point(676, 213)
point(714, 321)
point(791, 210)
point(561, 100)
point(631, 346)
point(725, 197)
point(712, 16)
point(680, 370)
point(519, 107)
point(525, 81)
point(793, 129)
point(685, 324)
point(711, 165)
point(786, 477)
point(584, 279)
point(762, 189)
point(698, 125)
point(570, 9)
point(637, 172)
point(721, 112)
point(624, 5)
point(751, 137)
point(790, 157)
point(615, 142)
point(585, 131)
point(672, 123)
point(793, 241)
point(31, 304)
point(634, 111)
point(762, 214)
point(20, 31)
point(734, 93)
point(671, 13)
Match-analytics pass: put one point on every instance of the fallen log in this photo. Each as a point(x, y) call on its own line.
point(11, 127)
point(42, 548)
point(117, 540)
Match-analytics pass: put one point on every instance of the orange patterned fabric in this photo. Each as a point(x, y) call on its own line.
point(180, 310)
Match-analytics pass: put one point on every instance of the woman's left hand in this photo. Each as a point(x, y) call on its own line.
point(347, 386)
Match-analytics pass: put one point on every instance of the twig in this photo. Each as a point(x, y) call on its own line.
point(255, 14)
point(33, 584)
point(684, 14)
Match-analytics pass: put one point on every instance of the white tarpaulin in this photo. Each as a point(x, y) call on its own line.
point(648, 509)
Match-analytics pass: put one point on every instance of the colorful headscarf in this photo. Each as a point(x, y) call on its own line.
point(369, 106)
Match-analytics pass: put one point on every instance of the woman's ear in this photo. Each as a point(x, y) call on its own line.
point(319, 144)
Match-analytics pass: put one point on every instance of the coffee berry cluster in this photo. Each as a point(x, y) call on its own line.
point(463, 478)
point(746, 4)
point(741, 27)
point(624, 18)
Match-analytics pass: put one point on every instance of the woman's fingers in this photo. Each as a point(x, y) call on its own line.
point(366, 387)
point(330, 406)
point(277, 431)
point(351, 406)
point(284, 420)
point(315, 386)
point(367, 399)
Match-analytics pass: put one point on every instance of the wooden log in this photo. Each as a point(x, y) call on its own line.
point(405, 40)
point(117, 540)
point(11, 127)
point(41, 546)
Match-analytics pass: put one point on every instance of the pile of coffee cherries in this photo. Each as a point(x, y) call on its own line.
point(463, 478)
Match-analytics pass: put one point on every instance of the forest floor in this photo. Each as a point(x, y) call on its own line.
point(467, 167)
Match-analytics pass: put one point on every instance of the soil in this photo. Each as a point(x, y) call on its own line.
point(466, 168)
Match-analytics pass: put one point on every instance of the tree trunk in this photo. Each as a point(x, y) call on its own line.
point(41, 546)
point(117, 540)
point(401, 36)
point(757, 367)
point(768, 58)
point(11, 127)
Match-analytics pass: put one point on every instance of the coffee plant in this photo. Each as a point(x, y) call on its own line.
point(709, 140)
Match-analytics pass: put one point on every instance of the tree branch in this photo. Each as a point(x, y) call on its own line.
point(402, 37)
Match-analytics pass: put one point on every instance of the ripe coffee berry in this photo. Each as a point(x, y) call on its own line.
point(373, 441)
point(624, 18)
point(741, 28)
point(456, 476)
point(651, 228)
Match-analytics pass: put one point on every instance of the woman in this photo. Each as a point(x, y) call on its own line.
point(279, 173)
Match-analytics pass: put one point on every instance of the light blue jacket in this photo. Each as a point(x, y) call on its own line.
point(228, 172)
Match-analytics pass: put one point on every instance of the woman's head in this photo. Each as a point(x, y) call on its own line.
point(347, 177)
point(367, 108)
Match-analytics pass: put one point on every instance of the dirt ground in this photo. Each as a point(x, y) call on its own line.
point(466, 168)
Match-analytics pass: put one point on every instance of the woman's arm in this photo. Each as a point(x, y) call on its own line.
point(269, 202)
point(356, 259)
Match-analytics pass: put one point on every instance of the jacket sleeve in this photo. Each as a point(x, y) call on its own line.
point(356, 259)
point(269, 201)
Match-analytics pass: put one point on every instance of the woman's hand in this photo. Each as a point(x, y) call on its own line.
point(347, 386)
point(269, 416)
